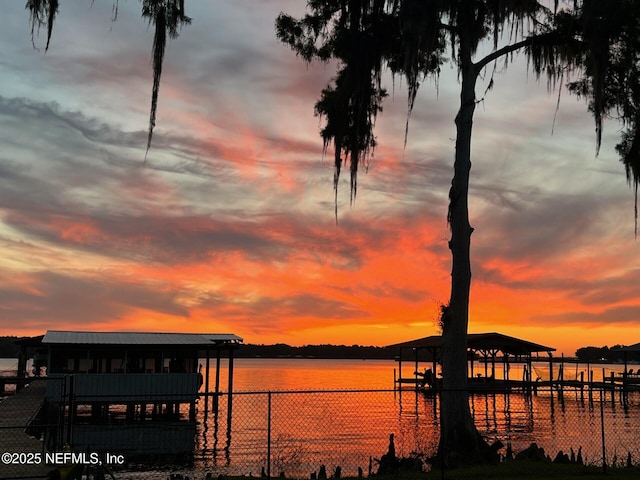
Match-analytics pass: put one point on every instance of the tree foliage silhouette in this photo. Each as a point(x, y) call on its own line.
point(166, 15)
point(593, 40)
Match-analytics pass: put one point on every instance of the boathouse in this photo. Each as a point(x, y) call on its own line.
point(103, 384)
point(485, 349)
point(630, 379)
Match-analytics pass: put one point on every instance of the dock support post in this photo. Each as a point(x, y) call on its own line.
point(22, 369)
point(216, 398)
point(561, 379)
point(506, 367)
point(529, 374)
point(473, 354)
point(206, 386)
point(435, 368)
point(415, 372)
point(486, 364)
point(623, 392)
point(230, 395)
point(613, 387)
point(493, 365)
point(71, 411)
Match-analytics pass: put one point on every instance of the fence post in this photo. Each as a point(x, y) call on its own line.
point(71, 407)
point(604, 451)
point(269, 435)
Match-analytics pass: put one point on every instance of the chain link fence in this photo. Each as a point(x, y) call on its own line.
point(300, 434)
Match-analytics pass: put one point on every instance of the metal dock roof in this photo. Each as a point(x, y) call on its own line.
point(482, 341)
point(138, 338)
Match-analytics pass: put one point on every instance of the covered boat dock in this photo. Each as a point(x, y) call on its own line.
point(629, 378)
point(484, 351)
point(105, 382)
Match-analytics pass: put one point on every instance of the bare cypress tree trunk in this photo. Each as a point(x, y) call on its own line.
point(460, 442)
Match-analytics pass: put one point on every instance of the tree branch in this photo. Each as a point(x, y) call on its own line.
point(504, 51)
point(448, 28)
point(549, 38)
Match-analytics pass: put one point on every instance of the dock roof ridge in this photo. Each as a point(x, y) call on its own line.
point(152, 338)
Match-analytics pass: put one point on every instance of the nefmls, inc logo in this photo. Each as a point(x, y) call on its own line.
point(77, 458)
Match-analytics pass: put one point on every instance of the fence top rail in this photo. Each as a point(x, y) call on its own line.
point(599, 389)
point(284, 392)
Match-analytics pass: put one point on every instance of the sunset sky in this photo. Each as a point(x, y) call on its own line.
point(229, 225)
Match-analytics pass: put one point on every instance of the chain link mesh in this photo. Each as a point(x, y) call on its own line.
point(303, 434)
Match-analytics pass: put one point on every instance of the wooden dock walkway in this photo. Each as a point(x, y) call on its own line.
point(612, 385)
point(16, 412)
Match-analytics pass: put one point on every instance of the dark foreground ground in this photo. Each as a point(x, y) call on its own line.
point(531, 470)
point(512, 471)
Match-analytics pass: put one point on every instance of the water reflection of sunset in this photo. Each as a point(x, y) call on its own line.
point(346, 425)
point(229, 226)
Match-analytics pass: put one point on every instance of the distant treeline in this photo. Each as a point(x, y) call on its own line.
point(282, 350)
point(603, 354)
point(9, 350)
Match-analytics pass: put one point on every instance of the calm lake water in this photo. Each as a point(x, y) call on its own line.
point(358, 424)
point(351, 423)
